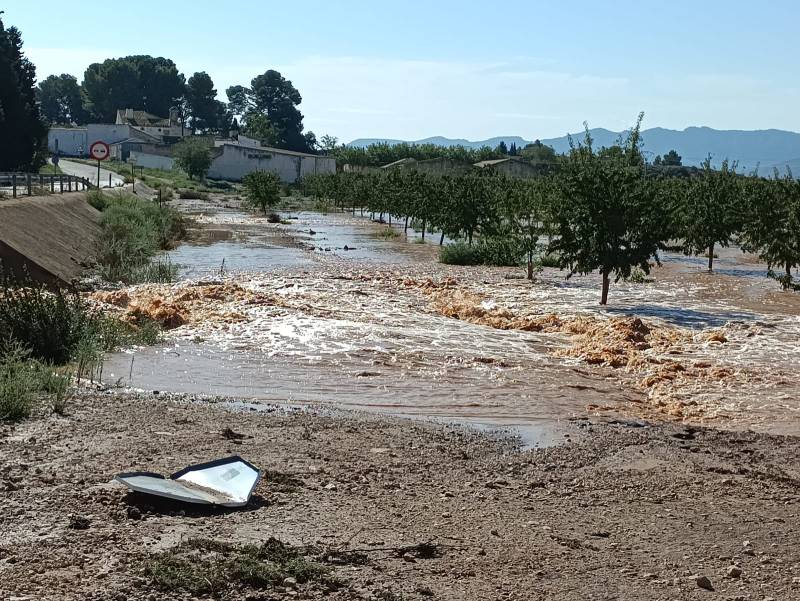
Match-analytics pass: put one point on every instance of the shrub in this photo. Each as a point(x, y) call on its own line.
point(460, 253)
point(133, 231)
point(500, 251)
point(97, 199)
point(189, 194)
point(263, 190)
point(548, 260)
point(273, 218)
point(387, 233)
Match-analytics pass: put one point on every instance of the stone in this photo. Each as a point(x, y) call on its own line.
point(703, 582)
point(734, 572)
point(290, 582)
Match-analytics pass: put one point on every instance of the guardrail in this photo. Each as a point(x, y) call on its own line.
point(37, 184)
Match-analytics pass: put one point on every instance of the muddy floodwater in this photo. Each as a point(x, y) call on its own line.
point(331, 309)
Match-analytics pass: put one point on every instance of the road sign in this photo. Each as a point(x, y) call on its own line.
point(55, 159)
point(99, 151)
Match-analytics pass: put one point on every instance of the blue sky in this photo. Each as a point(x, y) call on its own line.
point(467, 69)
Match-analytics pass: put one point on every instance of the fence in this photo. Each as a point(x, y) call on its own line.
point(36, 184)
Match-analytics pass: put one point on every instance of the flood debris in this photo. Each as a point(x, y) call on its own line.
point(226, 482)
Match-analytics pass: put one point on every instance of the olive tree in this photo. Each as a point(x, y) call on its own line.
point(193, 155)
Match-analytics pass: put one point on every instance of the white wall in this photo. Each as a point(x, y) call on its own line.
point(151, 161)
point(237, 161)
point(68, 141)
point(107, 132)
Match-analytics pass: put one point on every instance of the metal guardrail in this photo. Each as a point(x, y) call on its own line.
point(37, 184)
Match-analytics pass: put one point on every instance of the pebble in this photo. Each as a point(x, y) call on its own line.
point(734, 572)
point(290, 582)
point(704, 583)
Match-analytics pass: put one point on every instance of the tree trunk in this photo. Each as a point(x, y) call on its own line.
point(423, 229)
point(441, 239)
point(711, 257)
point(405, 227)
point(606, 283)
point(530, 266)
point(390, 219)
point(470, 237)
point(788, 270)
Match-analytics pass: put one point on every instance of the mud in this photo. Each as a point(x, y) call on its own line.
point(622, 510)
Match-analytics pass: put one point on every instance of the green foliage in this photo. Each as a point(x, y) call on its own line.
point(539, 154)
point(607, 214)
point(137, 82)
point(383, 153)
point(270, 103)
point(97, 198)
point(193, 155)
point(709, 210)
point(22, 133)
point(460, 253)
point(133, 231)
point(263, 190)
point(771, 227)
point(204, 111)
point(189, 194)
point(60, 100)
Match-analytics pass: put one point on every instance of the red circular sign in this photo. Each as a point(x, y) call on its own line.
point(99, 151)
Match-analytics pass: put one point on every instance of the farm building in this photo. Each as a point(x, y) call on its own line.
point(510, 167)
point(438, 166)
point(232, 161)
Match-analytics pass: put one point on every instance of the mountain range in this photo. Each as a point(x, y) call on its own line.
point(763, 149)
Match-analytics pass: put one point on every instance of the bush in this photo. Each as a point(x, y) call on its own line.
point(189, 194)
point(133, 231)
point(500, 252)
point(273, 218)
point(97, 199)
point(23, 381)
point(263, 190)
point(549, 260)
point(460, 253)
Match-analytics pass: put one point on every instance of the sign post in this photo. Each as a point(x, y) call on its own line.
point(100, 152)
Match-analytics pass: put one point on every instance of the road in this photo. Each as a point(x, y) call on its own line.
point(90, 173)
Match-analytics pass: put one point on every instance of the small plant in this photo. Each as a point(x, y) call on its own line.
point(500, 251)
point(638, 276)
point(274, 218)
point(17, 382)
point(548, 260)
point(207, 567)
point(387, 233)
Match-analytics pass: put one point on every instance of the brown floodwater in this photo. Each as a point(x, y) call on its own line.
point(347, 334)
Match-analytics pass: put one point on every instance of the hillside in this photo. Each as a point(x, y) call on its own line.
point(765, 149)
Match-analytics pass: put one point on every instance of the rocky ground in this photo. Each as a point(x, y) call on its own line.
point(381, 508)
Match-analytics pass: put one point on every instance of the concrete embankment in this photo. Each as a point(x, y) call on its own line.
point(53, 238)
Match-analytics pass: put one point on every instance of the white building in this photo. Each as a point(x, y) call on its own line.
point(233, 160)
point(68, 141)
point(159, 127)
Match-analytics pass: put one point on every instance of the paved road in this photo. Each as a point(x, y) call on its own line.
point(90, 173)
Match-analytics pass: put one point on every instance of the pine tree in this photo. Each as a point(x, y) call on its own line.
point(21, 129)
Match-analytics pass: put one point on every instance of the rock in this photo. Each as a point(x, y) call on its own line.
point(330, 486)
point(703, 582)
point(79, 522)
point(134, 513)
point(290, 583)
point(409, 558)
point(734, 572)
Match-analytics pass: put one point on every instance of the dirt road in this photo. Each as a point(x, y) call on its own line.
point(620, 511)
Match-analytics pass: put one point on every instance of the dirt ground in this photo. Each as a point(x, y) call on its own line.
point(622, 510)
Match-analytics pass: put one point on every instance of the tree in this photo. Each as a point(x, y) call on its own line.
point(512, 151)
point(193, 155)
point(607, 214)
point(709, 210)
point(202, 107)
point(137, 82)
point(61, 101)
point(772, 225)
point(274, 97)
point(671, 159)
point(263, 189)
point(258, 126)
point(22, 132)
point(501, 149)
point(538, 153)
point(328, 143)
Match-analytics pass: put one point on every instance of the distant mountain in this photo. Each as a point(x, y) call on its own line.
point(765, 149)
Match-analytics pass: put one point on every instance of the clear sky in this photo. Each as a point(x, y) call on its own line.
point(458, 68)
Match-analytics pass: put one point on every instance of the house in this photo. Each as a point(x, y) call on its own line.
point(68, 141)
point(510, 167)
point(166, 129)
point(232, 161)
